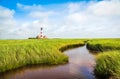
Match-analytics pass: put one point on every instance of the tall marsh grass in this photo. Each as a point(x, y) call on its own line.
point(17, 53)
point(108, 64)
point(108, 59)
point(104, 44)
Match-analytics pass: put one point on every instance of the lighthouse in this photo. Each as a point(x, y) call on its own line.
point(41, 34)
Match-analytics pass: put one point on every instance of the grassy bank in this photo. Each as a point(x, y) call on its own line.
point(108, 59)
point(108, 64)
point(17, 53)
point(104, 44)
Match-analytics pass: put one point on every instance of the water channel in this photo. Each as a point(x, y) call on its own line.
point(80, 66)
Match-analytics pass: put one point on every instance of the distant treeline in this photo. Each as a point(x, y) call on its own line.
point(32, 38)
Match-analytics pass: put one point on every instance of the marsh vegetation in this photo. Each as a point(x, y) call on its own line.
point(18, 53)
point(108, 57)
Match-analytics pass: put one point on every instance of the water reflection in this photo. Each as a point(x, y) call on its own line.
point(80, 66)
point(81, 62)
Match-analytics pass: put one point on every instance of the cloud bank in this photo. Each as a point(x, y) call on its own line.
point(69, 20)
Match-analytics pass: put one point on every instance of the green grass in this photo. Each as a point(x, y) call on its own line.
point(108, 59)
point(18, 53)
point(104, 44)
point(108, 64)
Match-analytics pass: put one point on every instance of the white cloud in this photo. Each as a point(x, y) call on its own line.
point(97, 20)
point(106, 8)
point(93, 19)
point(40, 14)
point(7, 22)
point(6, 13)
point(74, 7)
point(28, 7)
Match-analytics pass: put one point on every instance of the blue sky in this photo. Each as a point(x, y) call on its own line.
point(20, 19)
point(12, 4)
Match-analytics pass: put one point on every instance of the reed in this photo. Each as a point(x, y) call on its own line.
point(108, 64)
point(103, 44)
point(108, 57)
point(18, 53)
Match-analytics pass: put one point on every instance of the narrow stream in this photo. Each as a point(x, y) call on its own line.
point(80, 66)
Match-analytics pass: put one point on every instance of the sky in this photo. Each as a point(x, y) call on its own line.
point(21, 19)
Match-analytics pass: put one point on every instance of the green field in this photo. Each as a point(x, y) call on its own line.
point(18, 53)
point(108, 57)
point(104, 44)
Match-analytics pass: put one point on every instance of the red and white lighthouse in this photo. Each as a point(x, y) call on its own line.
point(41, 34)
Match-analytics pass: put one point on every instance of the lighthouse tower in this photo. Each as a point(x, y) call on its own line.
point(41, 34)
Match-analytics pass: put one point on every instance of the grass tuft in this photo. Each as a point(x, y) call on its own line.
point(108, 64)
